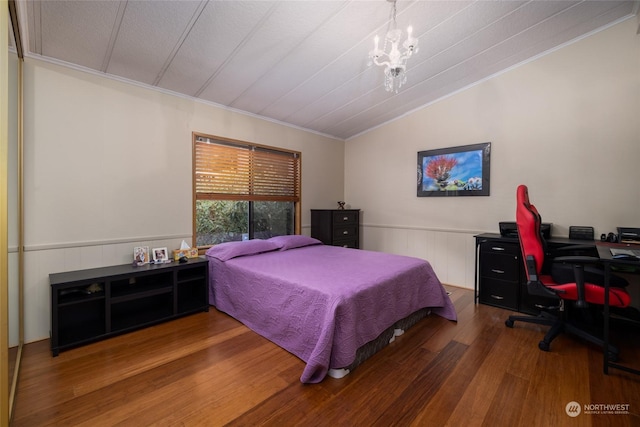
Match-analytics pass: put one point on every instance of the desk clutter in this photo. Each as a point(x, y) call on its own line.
point(578, 232)
point(626, 254)
point(629, 235)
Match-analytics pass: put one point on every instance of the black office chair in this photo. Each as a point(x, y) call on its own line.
point(568, 281)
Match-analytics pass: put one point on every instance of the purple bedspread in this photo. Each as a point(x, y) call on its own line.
point(322, 303)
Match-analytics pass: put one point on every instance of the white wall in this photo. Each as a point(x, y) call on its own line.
point(566, 124)
point(108, 167)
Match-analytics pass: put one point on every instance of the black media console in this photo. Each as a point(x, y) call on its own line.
point(90, 305)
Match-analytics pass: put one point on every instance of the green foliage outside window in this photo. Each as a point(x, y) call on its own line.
point(273, 219)
point(220, 221)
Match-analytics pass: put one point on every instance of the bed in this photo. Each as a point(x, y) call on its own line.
point(322, 303)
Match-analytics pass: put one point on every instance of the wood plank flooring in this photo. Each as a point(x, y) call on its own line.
point(208, 370)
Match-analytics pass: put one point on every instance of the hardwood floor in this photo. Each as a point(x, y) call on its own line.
point(208, 369)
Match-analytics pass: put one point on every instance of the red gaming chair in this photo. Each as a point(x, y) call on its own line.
point(538, 283)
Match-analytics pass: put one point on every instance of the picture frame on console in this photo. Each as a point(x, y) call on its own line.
point(160, 255)
point(141, 255)
point(455, 171)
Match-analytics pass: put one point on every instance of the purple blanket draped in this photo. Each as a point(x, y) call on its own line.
point(322, 303)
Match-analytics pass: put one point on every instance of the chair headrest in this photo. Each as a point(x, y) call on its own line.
point(522, 195)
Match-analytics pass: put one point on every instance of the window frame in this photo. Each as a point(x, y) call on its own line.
point(249, 146)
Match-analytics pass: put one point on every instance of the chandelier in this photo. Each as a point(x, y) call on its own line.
point(395, 65)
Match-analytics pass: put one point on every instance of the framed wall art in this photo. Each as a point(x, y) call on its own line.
point(455, 171)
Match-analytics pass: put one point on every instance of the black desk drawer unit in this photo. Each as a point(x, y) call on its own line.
point(501, 278)
point(499, 274)
point(337, 227)
point(89, 305)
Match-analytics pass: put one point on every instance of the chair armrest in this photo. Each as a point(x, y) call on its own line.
point(577, 259)
point(578, 272)
point(581, 250)
point(575, 248)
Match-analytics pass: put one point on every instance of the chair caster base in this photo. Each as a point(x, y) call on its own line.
point(543, 345)
point(509, 323)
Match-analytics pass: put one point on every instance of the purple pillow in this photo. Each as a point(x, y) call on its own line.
point(294, 241)
point(227, 250)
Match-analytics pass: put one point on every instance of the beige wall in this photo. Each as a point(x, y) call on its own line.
point(108, 167)
point(566, 124)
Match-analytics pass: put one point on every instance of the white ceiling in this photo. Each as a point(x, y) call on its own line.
point(304, 62)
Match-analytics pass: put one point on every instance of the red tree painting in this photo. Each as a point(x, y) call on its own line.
point(439, 169)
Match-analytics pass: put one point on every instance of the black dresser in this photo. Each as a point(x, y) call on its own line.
point(336, 227)
point(500, 273)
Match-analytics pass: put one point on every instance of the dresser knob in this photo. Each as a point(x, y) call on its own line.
point(345, 218)
point(345, 232)
point(498, 297)
point(498, 271)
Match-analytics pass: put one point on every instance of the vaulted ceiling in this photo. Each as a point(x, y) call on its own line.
point(304, 63)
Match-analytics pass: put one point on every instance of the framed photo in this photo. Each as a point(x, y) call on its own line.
point(160, 255)
point(141, 255)
point(455, 171)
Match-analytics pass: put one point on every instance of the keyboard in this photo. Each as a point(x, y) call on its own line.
point(618, 251)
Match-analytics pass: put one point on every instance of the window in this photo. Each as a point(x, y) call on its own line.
point(243, 191)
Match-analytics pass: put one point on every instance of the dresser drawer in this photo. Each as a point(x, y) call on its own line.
point(345, 232)
point(499, 293)
point(346, 217)
point(500, 266)
point(499, 248)
point(347, 243)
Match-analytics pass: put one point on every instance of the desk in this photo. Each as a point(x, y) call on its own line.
point(605, 256)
